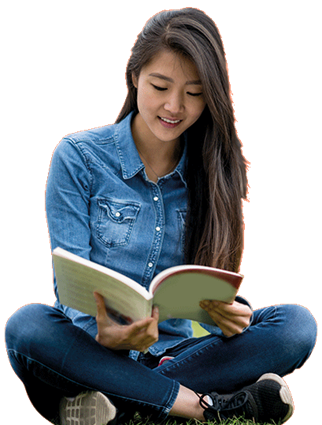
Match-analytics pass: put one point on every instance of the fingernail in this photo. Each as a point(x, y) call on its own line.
point(203, 305)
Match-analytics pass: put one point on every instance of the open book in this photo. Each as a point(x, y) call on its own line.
point(177, 291)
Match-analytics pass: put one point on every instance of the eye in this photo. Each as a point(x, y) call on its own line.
point(159, 88)
point(194, 94)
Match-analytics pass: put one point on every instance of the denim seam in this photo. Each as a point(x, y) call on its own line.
point(175, 363)
point(172, 398)
point(163, 409)
point(78, 146)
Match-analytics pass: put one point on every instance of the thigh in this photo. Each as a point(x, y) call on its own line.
point(279, 340)
point(33, 353)
point(33, 329)
point(46, 349)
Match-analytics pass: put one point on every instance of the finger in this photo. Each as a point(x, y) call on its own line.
point(228, 310)
point(239, 315)
point(100, 305)
point(209, 304)
point(155, 313)
point(228, 327)
point(213, 304)
point(148, 332)
point(140, 325)
point(240, 320)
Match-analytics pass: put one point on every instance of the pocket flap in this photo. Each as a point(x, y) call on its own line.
point(120, 211)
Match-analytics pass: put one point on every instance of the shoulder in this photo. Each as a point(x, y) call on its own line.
point(86, 143)
point(95, 136)
point(98, 146)
point(103, 135)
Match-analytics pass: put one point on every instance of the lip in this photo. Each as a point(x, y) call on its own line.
point(168, 124)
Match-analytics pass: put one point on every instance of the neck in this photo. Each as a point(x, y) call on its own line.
point(160, 158)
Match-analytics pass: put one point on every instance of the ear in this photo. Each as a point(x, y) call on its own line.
point(134, 80)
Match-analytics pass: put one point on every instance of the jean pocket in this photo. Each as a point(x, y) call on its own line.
point(115, 221)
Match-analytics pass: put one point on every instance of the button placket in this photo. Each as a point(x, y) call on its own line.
point(158, 234)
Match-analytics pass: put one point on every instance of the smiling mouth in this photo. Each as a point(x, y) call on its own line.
point(170, 121)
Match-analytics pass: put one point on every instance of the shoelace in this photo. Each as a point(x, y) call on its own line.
point(224, 403)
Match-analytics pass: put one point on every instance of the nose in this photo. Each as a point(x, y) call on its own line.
point(174, 103)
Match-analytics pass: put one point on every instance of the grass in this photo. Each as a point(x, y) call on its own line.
point(137, 420)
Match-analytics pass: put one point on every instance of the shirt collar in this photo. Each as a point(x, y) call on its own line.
point(129, 157)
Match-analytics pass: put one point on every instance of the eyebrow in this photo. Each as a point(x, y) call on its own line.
point(163, 77)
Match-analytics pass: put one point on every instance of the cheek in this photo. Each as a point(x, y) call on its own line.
point(146, 102)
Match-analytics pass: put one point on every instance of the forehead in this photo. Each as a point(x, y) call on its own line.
point(172, 65)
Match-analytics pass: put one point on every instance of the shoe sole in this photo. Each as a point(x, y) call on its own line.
point(89, 408)
point(285, 393)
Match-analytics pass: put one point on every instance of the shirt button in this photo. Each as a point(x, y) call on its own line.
point(150, 265)
point(155, 198)
point(157, 229)
point(117, 214)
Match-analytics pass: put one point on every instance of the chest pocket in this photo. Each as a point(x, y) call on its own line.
point(115, 221)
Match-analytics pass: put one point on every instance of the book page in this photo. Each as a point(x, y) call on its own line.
point(178, 296)
point(77, 282)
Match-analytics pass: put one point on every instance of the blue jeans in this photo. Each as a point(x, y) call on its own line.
point(55, 358)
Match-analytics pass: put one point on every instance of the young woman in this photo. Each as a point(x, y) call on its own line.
point(161, 187)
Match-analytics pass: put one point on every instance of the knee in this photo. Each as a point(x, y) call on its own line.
point(25, 325)
point(300, 329)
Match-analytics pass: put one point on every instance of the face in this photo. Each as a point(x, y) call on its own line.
point(169, 97)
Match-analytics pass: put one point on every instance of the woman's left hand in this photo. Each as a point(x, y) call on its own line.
point(232, 318)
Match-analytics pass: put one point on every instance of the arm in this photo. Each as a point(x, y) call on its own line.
point(68, 215)
point(67, 200)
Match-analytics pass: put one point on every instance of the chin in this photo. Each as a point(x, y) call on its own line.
point(168, 135)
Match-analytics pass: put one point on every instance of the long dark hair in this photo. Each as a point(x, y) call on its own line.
point(216, 171)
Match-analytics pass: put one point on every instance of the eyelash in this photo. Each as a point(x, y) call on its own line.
point(164, 88)
point(159, 88)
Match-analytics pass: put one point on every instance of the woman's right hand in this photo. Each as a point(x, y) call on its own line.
point(138, 336)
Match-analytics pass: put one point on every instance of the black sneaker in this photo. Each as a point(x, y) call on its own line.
point(269, 399)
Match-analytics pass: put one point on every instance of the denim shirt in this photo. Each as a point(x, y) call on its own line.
point(102, 206)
